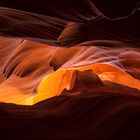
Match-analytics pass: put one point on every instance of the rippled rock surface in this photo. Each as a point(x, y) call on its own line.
point(69, 69)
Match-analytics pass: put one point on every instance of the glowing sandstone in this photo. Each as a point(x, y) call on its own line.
point(32, 72)
point(53, 84)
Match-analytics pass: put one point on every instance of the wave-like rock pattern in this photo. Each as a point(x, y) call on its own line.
point(69, 69)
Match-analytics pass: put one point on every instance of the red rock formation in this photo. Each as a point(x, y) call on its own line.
point(69, 69)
